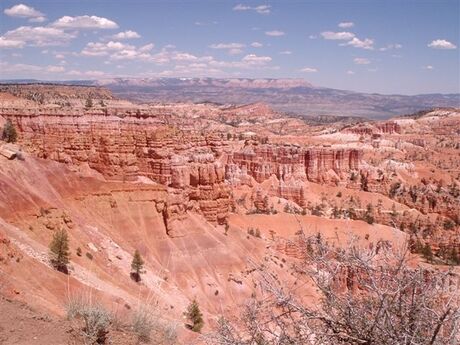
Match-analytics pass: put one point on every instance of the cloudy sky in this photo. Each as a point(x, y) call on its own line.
point(389, 46)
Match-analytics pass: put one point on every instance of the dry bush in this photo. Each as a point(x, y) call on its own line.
point(95, 318)
point(94, 322)
point(150, 327)
point(365, 297)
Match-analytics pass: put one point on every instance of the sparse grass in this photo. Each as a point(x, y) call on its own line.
point(143, 323)
point(96, 320)
point(149, 327)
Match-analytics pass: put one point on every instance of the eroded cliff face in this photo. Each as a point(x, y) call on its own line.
point(126, 148)
point(292, 162)
point(389, 127)
point(198, 168)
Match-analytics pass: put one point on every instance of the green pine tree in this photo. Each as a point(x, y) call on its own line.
point(194, 315)
point(89, 103)
point(9, 132)
point(59, 251)
point(136, 266)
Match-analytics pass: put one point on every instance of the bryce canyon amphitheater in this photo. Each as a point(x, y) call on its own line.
point(206, 193)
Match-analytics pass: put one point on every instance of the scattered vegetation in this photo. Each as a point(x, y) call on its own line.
point(149, 328)
point(254, 232)
point(194, 316)
point(89, 103)
point(367, 296)
point(9, 133)
point(136, 266)
point(95, 323)
point(143, 323)
point(59, 251)
point(96, 319)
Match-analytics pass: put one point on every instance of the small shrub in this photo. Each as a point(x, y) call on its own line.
point(59, 251)
point(394, 189)
point(9, 133)
point(89, 255)
point(96, 319)
point(89, 103)
point(78, 251)
point(143, 324)
point(136, 266)
point(194, 315)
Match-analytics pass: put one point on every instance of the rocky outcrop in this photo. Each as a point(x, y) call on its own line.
point(132, 146)
point(291, 162)
point(389, 127)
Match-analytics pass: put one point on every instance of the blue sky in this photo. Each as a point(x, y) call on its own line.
point(406, 47)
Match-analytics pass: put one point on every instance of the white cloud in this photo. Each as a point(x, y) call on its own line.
point(441, 44)
point(429, 67)
point(343, 35)
point(24, 11)
point(253, 59)
point(361, 61)
point(241, 7)
point(232, 48)
point(256, 45)
point(84, 22)
point(7, 43)
point(55, 69)
point(39, 36)
point(345, 25)
point(37, 20)
point(286, 52)
point(391, 47)
point(312, 37)
point(261, 9)
point(227, 46)
point(349, 72)
point(309, 70)
point(146, 48)
point(59, 56)
point(274, 33)
point(102, 49)
point(90, 73)
point(184, 57)
point(31, 70)
point(235, 51)
point(367, 43)
point(8, 69)
point(130, 54)
point(121, 51)
point(126, 35)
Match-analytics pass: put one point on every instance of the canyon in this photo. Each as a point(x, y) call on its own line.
point(206, 192)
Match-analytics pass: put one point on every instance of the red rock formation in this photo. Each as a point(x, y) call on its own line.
point(389, 127)
point(263, 161)
point(376, 128)
point(132, 146)
point(261, 201)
